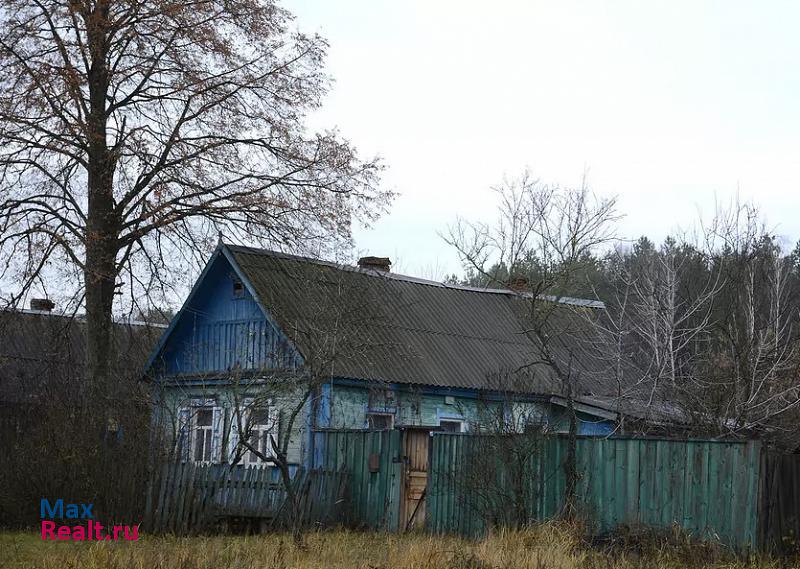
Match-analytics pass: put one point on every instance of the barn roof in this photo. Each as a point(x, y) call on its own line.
point(38, 348)
point(401, 329)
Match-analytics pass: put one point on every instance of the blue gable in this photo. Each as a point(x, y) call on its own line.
point(221, 327)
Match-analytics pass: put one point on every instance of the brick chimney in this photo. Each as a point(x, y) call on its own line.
point(376, 263)
point(42, 304)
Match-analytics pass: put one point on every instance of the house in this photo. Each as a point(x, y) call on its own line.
point(385, 351)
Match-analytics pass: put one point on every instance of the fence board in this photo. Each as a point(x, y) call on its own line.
point(729, 490)
point(780, 504)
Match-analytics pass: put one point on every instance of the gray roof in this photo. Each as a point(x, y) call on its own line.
point(43, 352)
point(658, 411)
point(400, 329)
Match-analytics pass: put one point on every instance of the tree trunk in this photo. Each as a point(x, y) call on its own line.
point(293, 501)
point(102, 226)
point(571, 462)
point(99, 278)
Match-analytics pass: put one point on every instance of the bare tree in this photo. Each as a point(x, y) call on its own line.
point(132, 132)
point(545, 236)
point(58, 437)
point(756, 371)
point(500, 458)
point(660, 316)
point(702, 329)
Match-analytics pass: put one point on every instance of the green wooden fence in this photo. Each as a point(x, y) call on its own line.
point(709, 488)
point(373, 462)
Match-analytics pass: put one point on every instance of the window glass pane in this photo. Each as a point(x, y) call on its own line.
point(532, 427)
point(204, 417)
point(381, 422)
point(253, 440)
point(450, 426)
point(207, 456)
point(198, 446)
point(260, 415)
point(238, 289)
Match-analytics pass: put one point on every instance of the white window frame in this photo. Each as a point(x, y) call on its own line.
point(461, 424)
point(262, 433)
point(204, 433)
point(380, 414)
point(188, 430)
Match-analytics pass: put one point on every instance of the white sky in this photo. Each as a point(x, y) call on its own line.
point(670, 105)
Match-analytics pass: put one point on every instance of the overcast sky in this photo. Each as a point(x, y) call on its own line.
point(670, 105)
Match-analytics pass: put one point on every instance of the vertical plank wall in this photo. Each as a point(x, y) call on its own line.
point(780, 514)
point(709, 488)
point(374, 489)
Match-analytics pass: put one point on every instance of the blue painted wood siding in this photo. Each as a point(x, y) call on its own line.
point(219, 331)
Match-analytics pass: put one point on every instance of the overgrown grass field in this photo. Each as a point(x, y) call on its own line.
point(544, 547)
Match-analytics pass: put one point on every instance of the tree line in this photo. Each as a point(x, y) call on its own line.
point(703, 326)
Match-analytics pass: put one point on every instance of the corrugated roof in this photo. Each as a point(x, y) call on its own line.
point(661, 412)
point(400, 329)
point(38, 347)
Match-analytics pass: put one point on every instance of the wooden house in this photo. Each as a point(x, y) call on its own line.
point(374, 350)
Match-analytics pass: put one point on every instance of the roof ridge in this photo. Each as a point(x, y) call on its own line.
point(79, 317)
point(569, 300)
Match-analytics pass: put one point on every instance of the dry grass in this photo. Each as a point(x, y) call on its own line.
point(551, 546)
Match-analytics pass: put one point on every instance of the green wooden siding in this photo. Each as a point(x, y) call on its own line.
point(349, 406)
point(708, 488)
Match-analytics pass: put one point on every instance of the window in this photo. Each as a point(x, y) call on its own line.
point(380, 421)
point(382, 401)
point(113, 433)
point(533, 426)
point(203, 435)
point(451, 425)
point(238, 289)
point(263, 424)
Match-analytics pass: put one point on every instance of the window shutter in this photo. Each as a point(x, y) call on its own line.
point(273, 415)
point(233, 436)
point(274, 427)
point(247, 423)
point(182, 444)
point(216, 437)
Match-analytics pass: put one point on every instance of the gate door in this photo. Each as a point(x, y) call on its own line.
point(415, 478)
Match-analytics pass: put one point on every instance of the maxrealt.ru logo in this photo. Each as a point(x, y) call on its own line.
point(70, 527)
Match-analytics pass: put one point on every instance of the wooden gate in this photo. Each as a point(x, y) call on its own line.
point(415, 478)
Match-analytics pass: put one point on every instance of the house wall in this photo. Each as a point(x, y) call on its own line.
point(339, 406)
point(223, 397)
point(347, 406)
point(587, 424)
